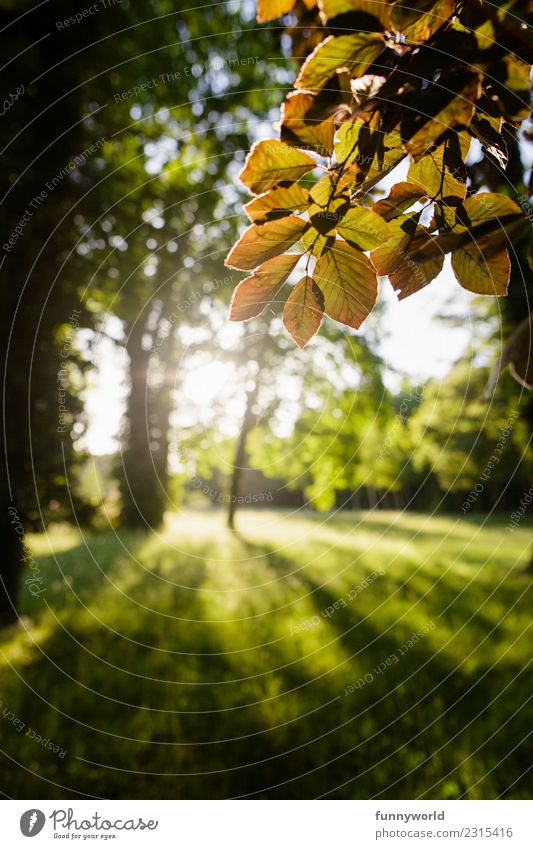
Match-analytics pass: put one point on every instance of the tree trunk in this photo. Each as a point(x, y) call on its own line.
point(10, 567)
point(139, 507)
point(241, 454)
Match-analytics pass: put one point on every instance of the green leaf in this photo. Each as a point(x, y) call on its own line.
point(263, 241)
point(315, 242)
point(277, 203)
point(354, 52)
point(363, 228)
point(348, 282)
point(304, 310)
point(254, 293)
point(329, 189)
point(271, 162)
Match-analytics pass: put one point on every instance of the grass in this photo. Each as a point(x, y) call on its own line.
point(199, 664)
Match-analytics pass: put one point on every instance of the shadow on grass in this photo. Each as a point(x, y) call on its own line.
point(185, 701)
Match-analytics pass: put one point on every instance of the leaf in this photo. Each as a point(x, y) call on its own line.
point(314, 241)
point(400, 198)
point(268, 10)
point(304, 310)
point(271, 162)
point(490, 206)
point(388, 256)
point(363, 228)
point(305, 132)
point(328, 189)
point(369, 151)
point(417, 22)
point(459, 111)
point(491, 139)
point(365, 88)
point(348, 282)
point(492, 220)
point(482, 274)
point(354, 52)
point(326, 217)
point(377, 8)
point(263, 241)
point(442, 172)
point(411, 276)
point(277, 203)
point(254, 293)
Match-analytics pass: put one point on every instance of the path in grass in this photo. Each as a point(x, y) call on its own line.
point(201, 664)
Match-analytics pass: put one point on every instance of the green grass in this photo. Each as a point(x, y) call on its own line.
point(180, 665)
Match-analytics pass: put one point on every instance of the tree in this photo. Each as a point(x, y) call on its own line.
point(477, 451)
point(387, 83)
point(343, 406)
point(158, 225)
point(45, 164)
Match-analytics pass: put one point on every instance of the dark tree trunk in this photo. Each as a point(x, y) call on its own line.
point(241, 454)
point(10, 567)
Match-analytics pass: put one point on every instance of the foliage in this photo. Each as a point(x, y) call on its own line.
point(468, 444)
point(386, 83)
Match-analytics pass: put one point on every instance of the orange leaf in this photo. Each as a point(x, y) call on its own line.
point(303, 311)
point(314, 134)
point(401, 197)
point(254, 293)
point(268, 10)
point(263, 241)
point(388, 256)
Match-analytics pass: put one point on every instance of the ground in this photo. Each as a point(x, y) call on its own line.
point(356, 656)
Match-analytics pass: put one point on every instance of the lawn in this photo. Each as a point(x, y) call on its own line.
point(278, 662)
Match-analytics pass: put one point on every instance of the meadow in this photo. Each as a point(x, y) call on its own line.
point(198, 663)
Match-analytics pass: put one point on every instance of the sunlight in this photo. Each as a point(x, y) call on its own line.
point(203, 384)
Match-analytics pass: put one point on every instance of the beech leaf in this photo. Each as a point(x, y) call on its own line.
point(263, 241)
point(269, 10)
point(364, 228)
point(355, 52)
point(277, 203)
point(254, 293)
point(271, 162)
point(348, 283)
point(304, 310)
